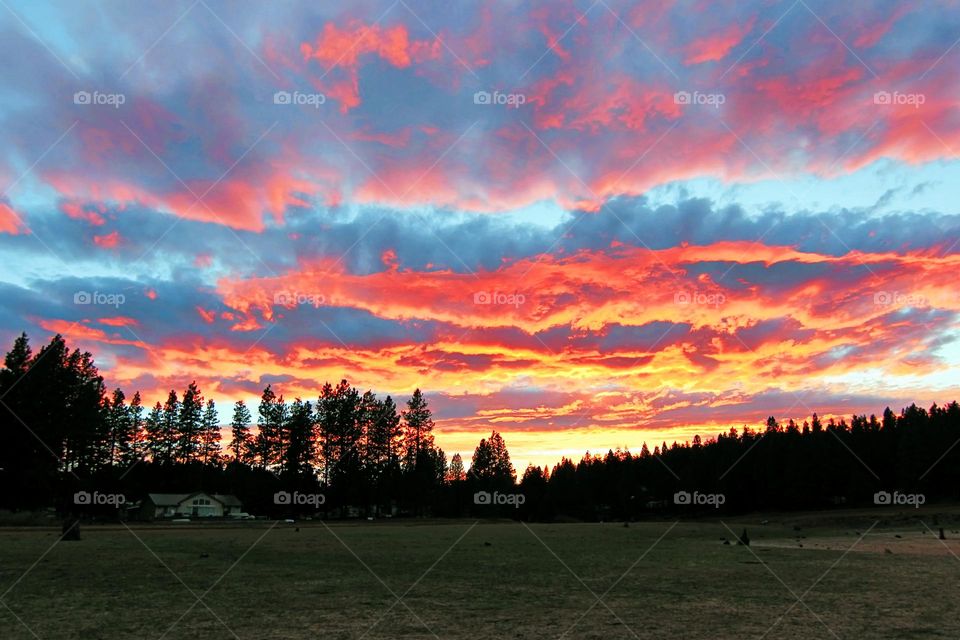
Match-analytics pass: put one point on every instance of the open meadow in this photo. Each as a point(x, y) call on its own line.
point(870, 574)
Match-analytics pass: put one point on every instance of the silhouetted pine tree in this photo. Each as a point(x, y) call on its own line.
point(418, 430)
point(241, 441)
point(272, 412)
point(118, 425)
point(210, 435)
point(169, 429)
point(189, 425)
point(132, 446)
point(456, 472)
point(297, 457)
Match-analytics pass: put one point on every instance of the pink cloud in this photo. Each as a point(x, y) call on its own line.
point(78, 211)
point(10, 222)
point(717, 45)
point(108, 241)
point(341, 49)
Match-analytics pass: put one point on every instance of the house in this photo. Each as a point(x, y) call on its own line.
point(191, 505)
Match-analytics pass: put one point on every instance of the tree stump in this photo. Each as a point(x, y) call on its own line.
point(744, 538)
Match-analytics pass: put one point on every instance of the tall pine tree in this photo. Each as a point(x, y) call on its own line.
point(190, 425)
point(241, 443)
point(418, 431)
point(210, 435)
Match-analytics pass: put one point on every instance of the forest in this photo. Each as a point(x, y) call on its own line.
point(62, 431)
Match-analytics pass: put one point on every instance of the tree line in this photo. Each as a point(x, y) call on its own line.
point(779, 466)
point(61, 431)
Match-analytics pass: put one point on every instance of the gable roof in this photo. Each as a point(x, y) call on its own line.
point(167, 499)
point(173, 499)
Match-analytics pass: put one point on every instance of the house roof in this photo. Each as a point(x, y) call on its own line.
point(173, 499)
point(167, 499)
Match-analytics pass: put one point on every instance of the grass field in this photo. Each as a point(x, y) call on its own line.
point(488, 580)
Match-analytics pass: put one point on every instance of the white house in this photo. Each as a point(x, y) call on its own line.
point(191, 505)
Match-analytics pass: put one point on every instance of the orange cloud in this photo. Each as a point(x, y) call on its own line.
point(621, 345)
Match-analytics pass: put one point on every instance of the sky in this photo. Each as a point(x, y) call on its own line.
point(587, 225)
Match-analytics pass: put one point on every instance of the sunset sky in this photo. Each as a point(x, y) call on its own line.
point(583, 224)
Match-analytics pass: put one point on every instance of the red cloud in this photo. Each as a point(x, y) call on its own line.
point(588, 291)
point(600, 319)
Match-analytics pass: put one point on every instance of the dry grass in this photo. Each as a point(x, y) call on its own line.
point(492, 580)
